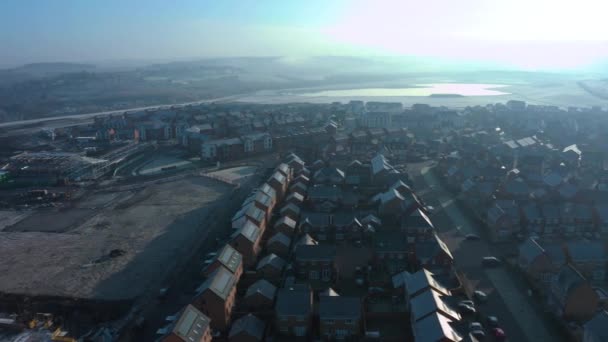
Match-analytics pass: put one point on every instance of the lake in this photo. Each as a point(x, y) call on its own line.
point(455, 89)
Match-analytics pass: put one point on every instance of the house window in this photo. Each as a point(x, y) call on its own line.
point(329, 321)
point(313, 275)
point(326, 274)
point(349, 322)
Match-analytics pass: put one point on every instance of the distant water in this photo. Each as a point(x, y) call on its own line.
point(461, 89)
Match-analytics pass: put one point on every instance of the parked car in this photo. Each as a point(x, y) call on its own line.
point(490, 261)
point(466, 309)
point(492, 321)
point(480, 296)
point(475, 326)
point(467, 302)
point(479, 335)
point(499, 334)
point(472, 237)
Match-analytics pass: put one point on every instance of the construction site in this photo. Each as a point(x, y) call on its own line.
point(93, 259)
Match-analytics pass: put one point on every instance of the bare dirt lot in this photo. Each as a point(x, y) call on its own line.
point(124, 247)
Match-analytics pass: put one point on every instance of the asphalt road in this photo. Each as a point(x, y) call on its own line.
point(507, 299)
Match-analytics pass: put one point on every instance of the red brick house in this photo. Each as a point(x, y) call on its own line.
point(247, 242)
point(260, 296)
point(261, 201)
point(247, 329)
point(191, 326)
point(279, 244)
point(271, 267)
point(216, 296)
point(316, 262)
point(295, 199)
point(294, 310)
point(434, 255)
point(285, 225)
point(535, 262)
point(279, 183)
point(228, 257)
point(340, 317)
point(292, 211)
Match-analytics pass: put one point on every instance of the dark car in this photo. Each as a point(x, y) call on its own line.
point(472, 237)
point(492, 321)
point(465, 309)
point(490, 261)
point(480, 296)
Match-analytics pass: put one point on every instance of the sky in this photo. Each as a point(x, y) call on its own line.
point(525, 34)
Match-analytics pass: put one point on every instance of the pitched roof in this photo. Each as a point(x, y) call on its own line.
point(220, 282)
point(259, 197)
point(429, 249)
point(250, 210)
point(279, 238)
point(272, 260)
point(268, 190)
point(287, 221)
point(250, 231)
point(295, 300)
point(250, 325)
point(291, 207)
point(530, 249)
point(191, 324)
point(307, 240)
point(339, 307)
point(230, 258)
point(263, 287)
point(328, 292)
point(429, 302)
point(569, 279)
point(295, 196)
point(435, 327)
point(379, 163)
point(414, 282)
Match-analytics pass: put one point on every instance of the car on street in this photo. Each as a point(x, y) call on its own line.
point(472, 237)
point(480, 335)
point(467, 302)
point(499, 334)
point(475, 326)
point(492, 321)
point(480, 296)
point(465, 309)
point(490, 261)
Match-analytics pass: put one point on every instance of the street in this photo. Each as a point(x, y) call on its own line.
point(507, 299)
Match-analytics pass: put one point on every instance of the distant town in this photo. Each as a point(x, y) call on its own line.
point(353, 221)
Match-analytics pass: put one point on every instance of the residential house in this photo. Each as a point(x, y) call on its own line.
point(299, 188)
point(306, 240)
point(247, 329)
point(436, 327)
point(532, 218)
point(260, 295)
point(247, 242)
point(429, 302)
point(249, 212)
point(222, 149)
point(261, 201)
point(392, 251)
point(551, 214)
point(329, 175)
point(286, 171)
point(317, 225)
point(229, 258)
point(295, 199)
point(216, 296)
point(536, 262)
point(500, 224)
point(256, 143)
point(291, 210)
point(572, 296)
point(324, 197)
point(190, 326)
point(285, 225)
point(346, 226)
point(294, 310)
point(270, 267)
point(268, 190)
point(417, 226)
point(434, 254)
point(340, 317)
point(411, 285)
point(279, 244)
point(279, 183)
point(576, 218)
point(316, 262)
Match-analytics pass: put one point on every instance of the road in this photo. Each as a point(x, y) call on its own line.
point(507, 299)
point(70, 120)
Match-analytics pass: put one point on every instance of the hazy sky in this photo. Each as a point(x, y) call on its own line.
point(521, 33)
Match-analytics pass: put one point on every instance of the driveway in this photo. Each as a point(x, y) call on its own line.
point(506, 299)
